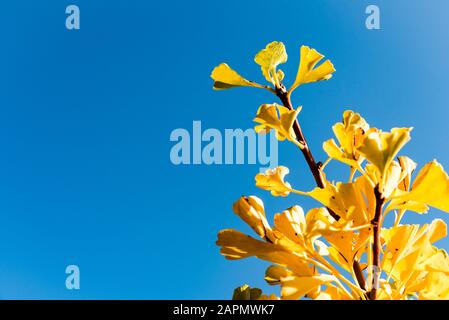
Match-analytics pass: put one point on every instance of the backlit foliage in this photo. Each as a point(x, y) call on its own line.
point(340, 249)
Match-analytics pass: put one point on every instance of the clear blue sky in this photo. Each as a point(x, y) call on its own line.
point(85, 120)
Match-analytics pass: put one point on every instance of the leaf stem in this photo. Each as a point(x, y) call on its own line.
point(351, 174)
point(337, 276)
point(331, 269)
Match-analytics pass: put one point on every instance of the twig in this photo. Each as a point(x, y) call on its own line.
point(377, 226)
point(359, 274)
point(315, 168)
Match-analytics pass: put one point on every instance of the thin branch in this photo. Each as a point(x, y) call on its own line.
point(315, 168)
point(359, 274)
point(377, 227)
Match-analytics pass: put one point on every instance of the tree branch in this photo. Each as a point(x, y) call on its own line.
point(316, 170)
point(314, 167)
point(377, 226)
point(359, 274)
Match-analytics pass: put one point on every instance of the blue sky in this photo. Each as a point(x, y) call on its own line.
point(86, 116)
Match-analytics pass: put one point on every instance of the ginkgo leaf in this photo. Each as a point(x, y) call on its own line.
point(318, 221)
point(269, 297)
point(307, 71)
point(352, 201)
point(438, 262)
point(251, 210)
point(268, 115)
point(408, 246)
point(274, 274)
point(380, 148)
point(332, 293)
point(436, 287)
point(245, 292)
point(335, 152)
point(391, 179)
point(236, 245)
point(292, 224)
point(280, 75)
point(296, 286)
point(269, 58)
point(399, 241)
point(345, 245)
point(350, 134)
point(292, 230)
point(225, 78)
point(278, 118)
point(399, 204)
point(431, 187)
point(293, 287)
point(273, 180)
point(350, 131)
point(408, 167)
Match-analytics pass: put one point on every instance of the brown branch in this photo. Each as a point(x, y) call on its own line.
point(359, 274)
point(377, 227)
point(315, 168)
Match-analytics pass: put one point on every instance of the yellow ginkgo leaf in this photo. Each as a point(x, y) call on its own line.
point(391, 179)
point(274, 274)
point(225, 78)
point(245, 292)
point(307, 71)
point(273, 180)
point(332, 293)
point(436, 287)
point(277, 275)
point(399, 243)
point(431, 187)
point(278, 118)
point(351, 201)
point(350, 134)
point(292, 231)
point(408, 246)
point(236, 245)
point(408, 167)
point(438, 262)
point(399, 204)
point(350, 131)
point(268, 115)
point(292, 224)
point(346, 244)
point(251, 210)
point(269, 58)
point(293, 288)
point(268, 297)
point(380, 148)
point(335, 152)
point(280, 75)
